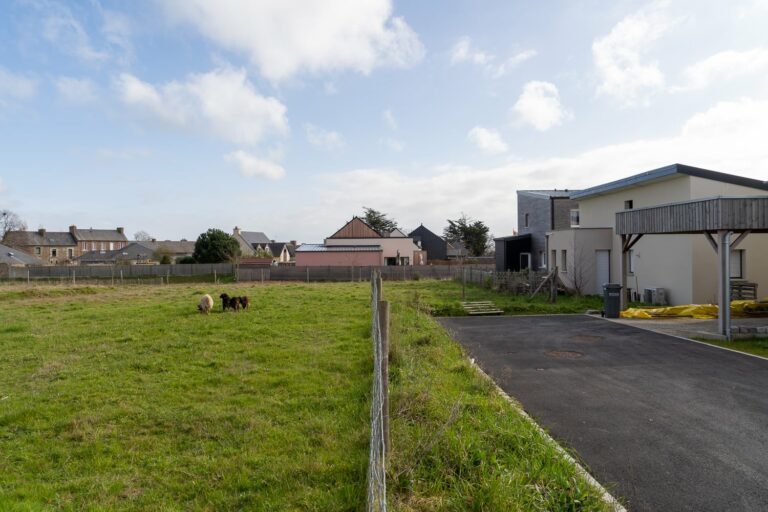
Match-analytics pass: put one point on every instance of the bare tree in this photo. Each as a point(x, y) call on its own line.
point(142, 236)
point(582, 270)
point(10, 221)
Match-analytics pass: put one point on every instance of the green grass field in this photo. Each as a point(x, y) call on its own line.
point(128, 399)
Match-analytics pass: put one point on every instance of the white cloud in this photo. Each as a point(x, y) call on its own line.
point(394, 144)
point(252, 166)
point(61, 28)
point(539, 105)
point(389, 118)
point(76, 90)
point(727, 137)
point(620, 57)
point(724, 66)
point(465, 51)
point(324, 139)
point(223, 101)
point(286, 37)
point(488, 141)
point(16, 86)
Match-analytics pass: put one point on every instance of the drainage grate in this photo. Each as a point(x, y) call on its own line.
point(564, 354)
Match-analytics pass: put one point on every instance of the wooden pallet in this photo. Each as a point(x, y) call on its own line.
point(480, 308)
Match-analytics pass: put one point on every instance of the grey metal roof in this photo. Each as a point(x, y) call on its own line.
point(549, 193)
point(34, 238)
point(664, 172)
point(11, 256)
point(512, 237)
point(337, 248)
point(99, 235)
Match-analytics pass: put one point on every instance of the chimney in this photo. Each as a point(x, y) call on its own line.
point(72, 229)
point(154, 240)
point(236, 231)
point(293, 243)
point(41, 231)
point(121, 230)
point(272, 241)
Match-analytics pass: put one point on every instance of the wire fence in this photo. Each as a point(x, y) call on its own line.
point(377, 479)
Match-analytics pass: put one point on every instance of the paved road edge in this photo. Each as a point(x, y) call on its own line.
point(607, 497)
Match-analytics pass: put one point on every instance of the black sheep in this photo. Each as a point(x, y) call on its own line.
point(244, 302)
point(234, 303)
point(224, 301)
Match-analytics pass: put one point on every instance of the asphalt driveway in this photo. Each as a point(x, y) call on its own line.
point(663, 423)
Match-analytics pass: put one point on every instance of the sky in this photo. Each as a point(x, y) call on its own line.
point(290, 116)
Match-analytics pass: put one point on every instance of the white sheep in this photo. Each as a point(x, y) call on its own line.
point(206, 304)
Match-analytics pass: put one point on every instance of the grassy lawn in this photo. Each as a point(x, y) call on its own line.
point(456, 444)
point(116, 399)
point(757, 346)
point(127, 398)
point(444, 299)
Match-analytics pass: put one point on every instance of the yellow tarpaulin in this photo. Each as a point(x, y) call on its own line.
point(739, 308)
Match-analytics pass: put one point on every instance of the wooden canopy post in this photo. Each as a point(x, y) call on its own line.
point(627, 242)
point(724, 283)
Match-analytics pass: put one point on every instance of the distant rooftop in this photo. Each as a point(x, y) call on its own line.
point(548, 193)
point(337, 248)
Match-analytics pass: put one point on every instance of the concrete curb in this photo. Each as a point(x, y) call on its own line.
point(612, 502)
point(616, 321)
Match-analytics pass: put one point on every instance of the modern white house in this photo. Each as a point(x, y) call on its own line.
point(590, 253)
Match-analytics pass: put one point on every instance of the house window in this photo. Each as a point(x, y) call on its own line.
point(631, 259)
point(526, 220)
point(737, 264)
point(85, 246)
point(405, 260)
point(574, 218)
point(54, 253)
point(564, 261)
point(629, 204)
point(93, 246)
point(542, 259)
point(70, 253)
point(38, 251)
point(111, 246)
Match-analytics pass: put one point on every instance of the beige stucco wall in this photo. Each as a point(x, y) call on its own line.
point(580, 245)
point(390, 246)
point(685, 265)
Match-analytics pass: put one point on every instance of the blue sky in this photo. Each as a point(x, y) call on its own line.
point(173, 116)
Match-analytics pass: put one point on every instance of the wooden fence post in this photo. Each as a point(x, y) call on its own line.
point(384, 329)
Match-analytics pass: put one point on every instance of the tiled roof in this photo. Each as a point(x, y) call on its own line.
point(337, 248)
point(99, 235)
point(33, 238)
point(11, 256)
point(172, 246)
point(254, 237)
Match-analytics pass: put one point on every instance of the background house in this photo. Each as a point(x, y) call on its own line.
point(684, 265)
point(435, 246)
point(15, 258)
point(358, 244)
point(53, 248)
point(144, 252)
point(101, 240)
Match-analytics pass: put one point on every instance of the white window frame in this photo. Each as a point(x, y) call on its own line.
point(38, 251)
point(631, 261)
point(578, 219)
point(542, 259)
point(737, 255)
point(54, 252)
point(564, 261)
point(629, 204)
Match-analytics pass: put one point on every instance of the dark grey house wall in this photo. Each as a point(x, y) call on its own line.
point(562, 212)
point(547, 211)
point(539, 210)
point(436, 247)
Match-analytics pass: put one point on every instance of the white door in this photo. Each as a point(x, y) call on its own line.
point(602, 269)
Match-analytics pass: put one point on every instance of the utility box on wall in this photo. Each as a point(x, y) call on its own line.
point(655, 296)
